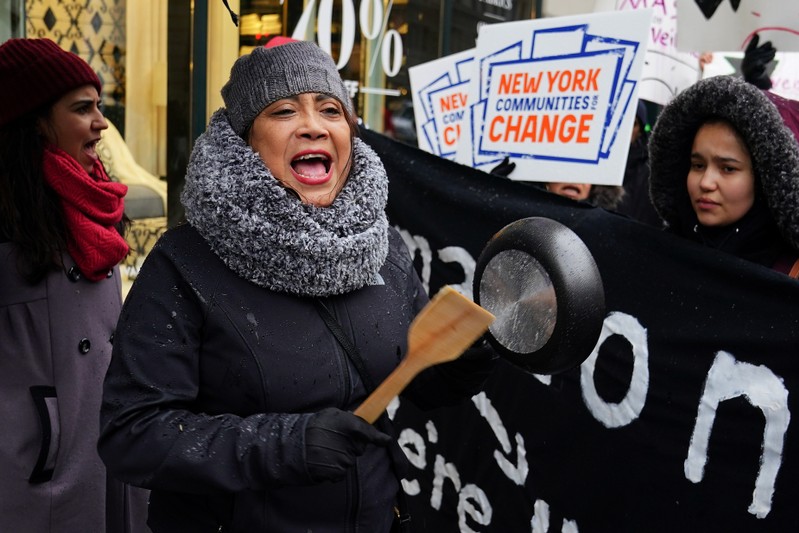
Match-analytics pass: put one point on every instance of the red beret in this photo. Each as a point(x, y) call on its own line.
point(36, 72)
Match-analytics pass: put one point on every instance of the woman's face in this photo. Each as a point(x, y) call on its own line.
point(75, 123)
point(306, 142)
point(721, 182)
point(575, 191)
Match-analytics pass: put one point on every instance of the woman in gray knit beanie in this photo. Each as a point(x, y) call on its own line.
point(253, 330)
point(725, 172)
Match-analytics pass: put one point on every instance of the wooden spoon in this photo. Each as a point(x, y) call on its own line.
point(441, 332)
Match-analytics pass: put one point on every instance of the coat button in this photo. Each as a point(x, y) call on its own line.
point(84, 345)
point(73, 274)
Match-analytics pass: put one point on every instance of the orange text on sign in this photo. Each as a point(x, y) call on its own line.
point(453, 101)
point(557, 81)
point(540, 128)
point(451, 134)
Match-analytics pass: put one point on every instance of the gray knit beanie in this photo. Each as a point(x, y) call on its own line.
point(774, 151)
point(281, 69)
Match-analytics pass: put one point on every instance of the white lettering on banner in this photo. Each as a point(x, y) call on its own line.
point(726, 379)
point(472, 500)
point(480, 513)
point(729, 379)
point(456, 254)
point(432, 432)
point(417, 243)
point(540, 520)
point(441, 472)
point(415, 450)
point(516, 473)
point(614, 415)
point(449, 254)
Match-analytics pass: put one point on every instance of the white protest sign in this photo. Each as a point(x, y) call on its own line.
point(783, 71)
point(439, 90)
point(556, 95)
point(709, 25)
point(667, 71)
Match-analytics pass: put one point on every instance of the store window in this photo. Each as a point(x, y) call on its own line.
point(183, 51)
point(375, 41)
point(96, 30)
point(12, 19)
point(93, 30)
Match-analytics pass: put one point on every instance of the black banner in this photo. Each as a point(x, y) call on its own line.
point(680, 420)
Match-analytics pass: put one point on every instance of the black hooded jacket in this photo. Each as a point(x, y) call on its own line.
point(219, 437)
point(769, 233)
point(215, 372)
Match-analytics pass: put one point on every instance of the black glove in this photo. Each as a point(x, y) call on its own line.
point(468, 373)
point(334, 439)
point(504, 168)
point(756, 58)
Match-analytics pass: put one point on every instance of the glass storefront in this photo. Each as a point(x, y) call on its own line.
point(375, 41)
point(12, 19)
point(163, 62)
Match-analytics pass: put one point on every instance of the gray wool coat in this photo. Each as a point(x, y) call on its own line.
point(55, 346)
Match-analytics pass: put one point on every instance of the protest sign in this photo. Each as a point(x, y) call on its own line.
point(667, 71)
point(711, 25)
point(439, 94)
point(556, 95)
point(785, 75)
point(783, 70)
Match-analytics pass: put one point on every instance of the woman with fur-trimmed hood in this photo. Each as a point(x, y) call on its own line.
point(725, 172)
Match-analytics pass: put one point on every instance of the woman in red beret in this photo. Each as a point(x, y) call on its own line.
point(61, 239)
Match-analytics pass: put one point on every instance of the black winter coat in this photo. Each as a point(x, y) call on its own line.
point(636, 203)
point(209, 380)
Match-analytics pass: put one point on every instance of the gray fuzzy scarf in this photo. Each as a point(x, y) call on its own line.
point(264, 234)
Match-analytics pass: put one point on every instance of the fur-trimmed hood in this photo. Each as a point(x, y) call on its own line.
point(606, 196)
point(774, 151)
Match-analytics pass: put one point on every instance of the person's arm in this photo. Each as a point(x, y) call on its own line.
point(153, 436)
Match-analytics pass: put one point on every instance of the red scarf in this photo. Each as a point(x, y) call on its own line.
point(92, 205)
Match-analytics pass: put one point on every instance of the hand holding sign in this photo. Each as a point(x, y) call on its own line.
point(756, 59)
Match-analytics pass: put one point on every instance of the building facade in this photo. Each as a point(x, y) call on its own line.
point(163, 63)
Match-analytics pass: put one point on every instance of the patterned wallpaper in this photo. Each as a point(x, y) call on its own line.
point(93, 29)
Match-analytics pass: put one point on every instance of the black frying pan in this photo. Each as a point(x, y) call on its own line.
point(542, 284)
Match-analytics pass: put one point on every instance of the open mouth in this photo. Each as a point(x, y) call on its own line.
point(90, 148)
point(312, 168)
